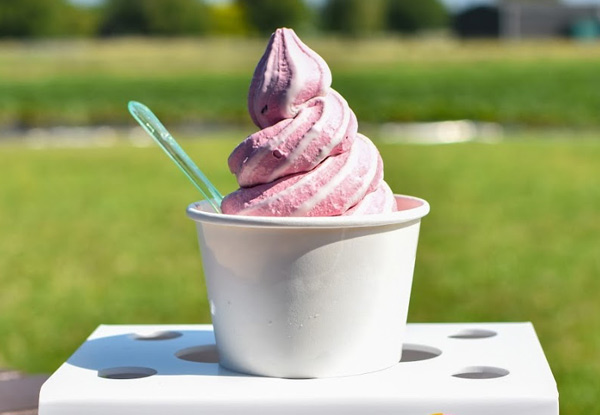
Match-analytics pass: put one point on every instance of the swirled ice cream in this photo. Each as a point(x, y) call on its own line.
point(308, 159)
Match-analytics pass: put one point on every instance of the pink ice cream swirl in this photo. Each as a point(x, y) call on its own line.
point(308, 159)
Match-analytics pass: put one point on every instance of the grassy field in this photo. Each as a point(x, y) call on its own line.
point(99, 235)
point(86, 82)
point(94, 236)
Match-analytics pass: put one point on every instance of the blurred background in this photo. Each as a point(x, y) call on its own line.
point(487, 109)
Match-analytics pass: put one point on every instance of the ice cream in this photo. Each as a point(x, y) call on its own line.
point(308, 158)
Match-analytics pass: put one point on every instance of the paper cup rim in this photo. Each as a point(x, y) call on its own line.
point(202, 212)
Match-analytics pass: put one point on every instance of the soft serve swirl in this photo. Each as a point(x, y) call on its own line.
point(308, 159)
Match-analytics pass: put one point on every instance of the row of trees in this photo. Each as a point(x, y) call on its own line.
point(47, 18)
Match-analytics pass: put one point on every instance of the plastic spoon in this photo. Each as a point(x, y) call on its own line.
point(165, 140)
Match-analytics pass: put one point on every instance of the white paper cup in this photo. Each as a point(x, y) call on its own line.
point(309, 297)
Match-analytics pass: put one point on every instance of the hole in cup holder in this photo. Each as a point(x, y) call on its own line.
point(206, 353)
point(126, 372)
point(481, 372)
point(418, 352)
point(473, 334)
point(157, 335)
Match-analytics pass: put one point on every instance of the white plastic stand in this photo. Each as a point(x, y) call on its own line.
point(455, 369)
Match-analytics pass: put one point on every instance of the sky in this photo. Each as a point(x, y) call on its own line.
point(452, 5)
point(457, 5)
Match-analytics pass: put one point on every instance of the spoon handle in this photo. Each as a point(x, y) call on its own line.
point(165, 140)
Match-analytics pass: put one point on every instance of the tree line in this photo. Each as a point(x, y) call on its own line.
point(64, 18)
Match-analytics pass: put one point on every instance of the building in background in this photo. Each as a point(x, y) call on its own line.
point(529, 19)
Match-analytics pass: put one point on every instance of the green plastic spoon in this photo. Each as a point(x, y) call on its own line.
point(165, 140)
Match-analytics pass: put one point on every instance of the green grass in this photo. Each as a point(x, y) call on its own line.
point(99, 235)
point(89, 82)
point(513, 235)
